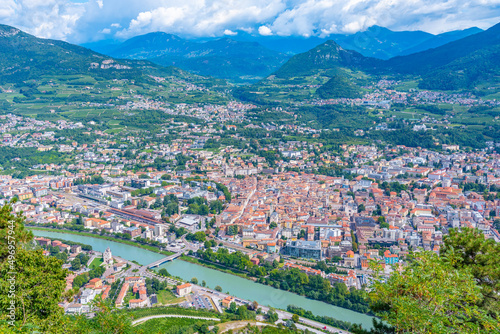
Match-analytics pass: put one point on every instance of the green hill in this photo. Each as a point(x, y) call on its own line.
point(25, 57)
point(325, 57)
point(338, 87)
point(461, 64)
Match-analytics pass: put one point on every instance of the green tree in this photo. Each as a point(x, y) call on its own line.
point(431, 296)
point(194, 280)
point(12, 232)
point(469, 249)
point(271, 316)
point(39, 285)
point(76, 264)
point(295, 318)
point(163, 272)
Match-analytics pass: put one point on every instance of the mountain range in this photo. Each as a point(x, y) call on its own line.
point(222, 58)
point(247, 58)
point(376, 41)
point(461, 64)
point(25, 57)
point(471, 63)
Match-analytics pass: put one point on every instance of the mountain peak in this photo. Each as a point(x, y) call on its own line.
point(8, 31)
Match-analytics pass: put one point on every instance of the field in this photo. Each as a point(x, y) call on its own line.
point(162, 325)
point(167, 297)
point(144, 312)
point(96, 263)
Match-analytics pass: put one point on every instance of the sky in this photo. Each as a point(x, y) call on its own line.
point(81, 21)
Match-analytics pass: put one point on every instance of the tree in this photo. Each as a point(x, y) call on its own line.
point(469, 249)
point(39, 285)
point(361, 208)
point(232, 307)
point(431, 296)
point(295, 318)
point(218, 288)
point(163, 272)
point(271, 316)
point(12, 232)
point(199, 236)
point(76, 264)
point(194, 280)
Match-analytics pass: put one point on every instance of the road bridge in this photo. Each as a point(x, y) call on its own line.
point(165, 260)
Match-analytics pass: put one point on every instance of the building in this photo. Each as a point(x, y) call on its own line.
point(107, 258)
point(133, 231)
point(390, 258)
point(184, 289)
point(226, 302)
point(305, 249)
point(189, 222)
point(135, 303)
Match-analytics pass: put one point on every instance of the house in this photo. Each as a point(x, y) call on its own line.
point(184, 289)
point(135, 303)
point(44, 241)
point(87, 296)
point(121, 295)
point(76, 249)
point(226, 302)
point(95, 283)
point(76, 308)
point(390, 258)
point(305, 249)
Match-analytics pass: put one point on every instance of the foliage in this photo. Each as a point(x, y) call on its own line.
point(12, 233)
point(338, 87)
point(323, 319)
point(94, 179)
point(470, 250)
point(431, 296)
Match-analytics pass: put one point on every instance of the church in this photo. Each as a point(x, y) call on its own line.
point(107, 258)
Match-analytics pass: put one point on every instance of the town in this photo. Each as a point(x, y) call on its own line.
point(277, 211)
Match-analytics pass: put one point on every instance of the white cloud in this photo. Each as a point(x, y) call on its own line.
point(228, 32)
point(91, 20)
point(265, 31)
point(45, 18)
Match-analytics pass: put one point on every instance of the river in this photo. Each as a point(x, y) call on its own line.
point(234, 285)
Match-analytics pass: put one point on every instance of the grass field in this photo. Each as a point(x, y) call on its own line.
point(167, 297)
point(96, 263)
point(180, 325)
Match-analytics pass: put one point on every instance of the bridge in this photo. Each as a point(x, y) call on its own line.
point(165, 259)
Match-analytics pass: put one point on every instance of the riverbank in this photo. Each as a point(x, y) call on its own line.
point(216, 266)
point(104, 237)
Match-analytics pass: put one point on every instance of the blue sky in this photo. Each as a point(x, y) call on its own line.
point(81, 21)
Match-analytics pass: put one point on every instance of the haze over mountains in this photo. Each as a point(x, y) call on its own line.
point(246, 58)
point(221, 58)
point(376, 41)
